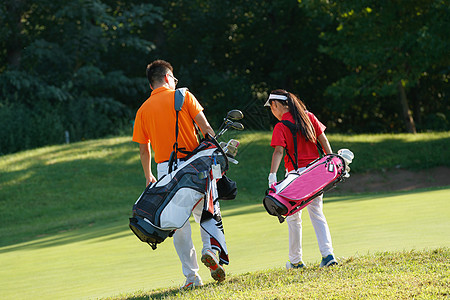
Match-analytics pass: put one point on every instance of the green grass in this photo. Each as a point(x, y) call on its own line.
point(106, 260)
point(388, 151)
point(384, 275)
point(68, 186)
point(65, 187)
point(64, 212)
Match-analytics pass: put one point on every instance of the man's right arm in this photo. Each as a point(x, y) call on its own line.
point(146, 158)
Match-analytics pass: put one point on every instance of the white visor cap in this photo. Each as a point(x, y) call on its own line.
point(275, 97)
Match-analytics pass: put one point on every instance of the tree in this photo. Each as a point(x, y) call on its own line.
point(79, 65)
point(389, 48)
point(231, 54)
point(63, 69)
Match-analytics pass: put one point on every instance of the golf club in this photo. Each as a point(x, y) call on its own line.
point(232, 115)
point(230, 124)
point(235, 115)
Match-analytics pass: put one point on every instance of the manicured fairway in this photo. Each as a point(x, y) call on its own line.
point(108, 260)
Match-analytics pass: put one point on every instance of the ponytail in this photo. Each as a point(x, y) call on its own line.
point(298, 111)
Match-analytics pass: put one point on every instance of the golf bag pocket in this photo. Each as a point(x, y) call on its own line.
point(147, 232)
point(178, 211)
point(226, 188)
point(297, 190)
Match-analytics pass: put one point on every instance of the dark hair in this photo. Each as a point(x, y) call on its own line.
point(157, 70)
point(298, 110)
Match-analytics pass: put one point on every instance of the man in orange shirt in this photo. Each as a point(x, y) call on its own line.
point(154, 127)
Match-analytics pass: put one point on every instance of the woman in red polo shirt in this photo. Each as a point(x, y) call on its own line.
point(286, 106)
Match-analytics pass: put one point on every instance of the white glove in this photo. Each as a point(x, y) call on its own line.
point(272, 178)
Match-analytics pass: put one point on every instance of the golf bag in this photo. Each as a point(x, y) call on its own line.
point(297, 190)
point(166, 205)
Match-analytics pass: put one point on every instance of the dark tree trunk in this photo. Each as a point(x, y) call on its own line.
point(14, 10)
point(407, 115)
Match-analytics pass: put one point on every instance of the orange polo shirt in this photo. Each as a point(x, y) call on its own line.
point(155, 123)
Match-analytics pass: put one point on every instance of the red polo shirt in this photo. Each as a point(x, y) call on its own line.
point(307, 151)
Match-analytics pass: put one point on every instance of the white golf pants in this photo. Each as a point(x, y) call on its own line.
point(319, 222)
point(182, 239)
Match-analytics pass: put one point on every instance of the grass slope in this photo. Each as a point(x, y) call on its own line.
point(383, 275)
point(106, 260)
point(68, 186)
point(64, 212)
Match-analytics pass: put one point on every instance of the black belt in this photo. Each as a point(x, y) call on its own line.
point(180, 159)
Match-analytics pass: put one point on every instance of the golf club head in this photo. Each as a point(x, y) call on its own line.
point(237, 126)
point(235, 115)
point(229, 124)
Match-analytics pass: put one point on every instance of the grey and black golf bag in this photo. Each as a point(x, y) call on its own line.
point(166, 205)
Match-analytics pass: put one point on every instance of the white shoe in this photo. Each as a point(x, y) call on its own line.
point(189, 284)
point(290, 265)
point(210, 260)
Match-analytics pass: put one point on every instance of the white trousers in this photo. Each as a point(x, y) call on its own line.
point(182, 238)
point(319, 222)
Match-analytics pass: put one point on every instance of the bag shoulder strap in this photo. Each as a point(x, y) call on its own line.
point(180, 94)
point(320, 149)
point(294, 131)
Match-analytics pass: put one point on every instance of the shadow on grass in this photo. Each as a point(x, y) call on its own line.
point(60, 239)
point(173, 292)
point(155, 295)
point(65, 187)
point(119, 229)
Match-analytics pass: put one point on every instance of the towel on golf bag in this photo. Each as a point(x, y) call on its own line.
point(166, 205)
point(297, 190)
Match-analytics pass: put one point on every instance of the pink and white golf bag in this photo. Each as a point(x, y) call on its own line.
point(297, 190)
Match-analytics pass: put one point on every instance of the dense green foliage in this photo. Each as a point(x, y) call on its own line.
point(79, 65)
point(69, 66)
point(387, 46)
